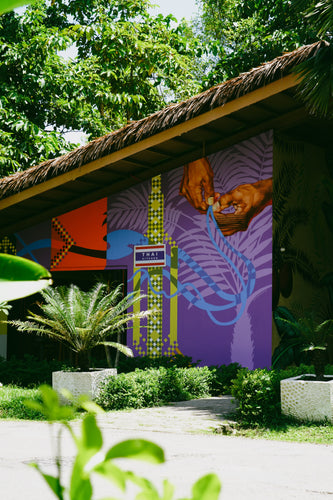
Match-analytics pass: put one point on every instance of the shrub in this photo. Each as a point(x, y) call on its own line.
point(138, 389)
point(126, 365)
point(222, 377)
point(182, 384)
point(12, 403)
point(258, 396)
point(153, 387)
point(197, 381)
point(27, 372)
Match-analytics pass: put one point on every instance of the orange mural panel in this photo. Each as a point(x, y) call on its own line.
point(78, 238)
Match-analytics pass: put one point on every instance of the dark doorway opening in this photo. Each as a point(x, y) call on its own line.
point(20, 344)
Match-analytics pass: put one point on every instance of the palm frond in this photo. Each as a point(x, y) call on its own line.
point(282, 184)
point(301, 263)
point(315, 77)
point(322, 14)
point(120, 347)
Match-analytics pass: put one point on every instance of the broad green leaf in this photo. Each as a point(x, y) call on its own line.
point(88, 444)
point(81, 488)
point(52, 481)
point(168, 490)
point(112, 473)
point(50, 406)
point(92, 440)
point(149, 492)
point(138, 449)
point(7, 5)
point(89, 406)
point(206, 488)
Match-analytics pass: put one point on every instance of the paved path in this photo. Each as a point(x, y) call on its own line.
point(249, 469)
point(195, 416)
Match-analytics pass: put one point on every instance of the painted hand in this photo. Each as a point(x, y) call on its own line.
point(197, 184)
point(248, 200)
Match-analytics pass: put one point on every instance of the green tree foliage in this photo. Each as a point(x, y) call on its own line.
point(244, 34)
point(316, 74)
point(126, 64)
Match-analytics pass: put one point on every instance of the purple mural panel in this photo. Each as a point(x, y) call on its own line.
point(212, 300)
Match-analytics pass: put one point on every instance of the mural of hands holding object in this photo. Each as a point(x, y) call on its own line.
point(246, 200)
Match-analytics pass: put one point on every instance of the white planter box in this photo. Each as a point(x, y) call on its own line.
point(79, 383)
point(308, 400)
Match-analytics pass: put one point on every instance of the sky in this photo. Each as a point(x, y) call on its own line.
point(179, 8)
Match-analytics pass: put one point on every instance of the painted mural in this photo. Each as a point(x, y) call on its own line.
point(212, 299)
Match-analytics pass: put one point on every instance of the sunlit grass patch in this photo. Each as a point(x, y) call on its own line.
point(12, 403)
point(319, 433)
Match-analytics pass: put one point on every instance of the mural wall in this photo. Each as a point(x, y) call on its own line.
point(212, 298)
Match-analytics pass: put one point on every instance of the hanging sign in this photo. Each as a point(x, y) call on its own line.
point(149, 256)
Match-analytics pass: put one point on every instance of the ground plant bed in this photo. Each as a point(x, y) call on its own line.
point(79, 383)
point(308, 399)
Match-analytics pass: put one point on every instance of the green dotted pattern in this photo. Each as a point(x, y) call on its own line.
point(155, 236)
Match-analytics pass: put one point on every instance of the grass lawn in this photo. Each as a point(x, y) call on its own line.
point(319, 433)
point(12, 403)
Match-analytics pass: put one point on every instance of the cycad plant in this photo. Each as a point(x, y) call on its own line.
point(307, 335)
point(83, 320)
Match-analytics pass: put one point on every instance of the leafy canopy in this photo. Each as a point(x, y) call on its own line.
point(125, 65)
point(244, 34)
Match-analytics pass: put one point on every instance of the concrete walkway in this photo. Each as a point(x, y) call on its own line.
point(249, 469)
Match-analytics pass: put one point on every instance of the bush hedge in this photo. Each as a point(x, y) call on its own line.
point(154, 387)
point(258, 393)
point(27, 372)
point(222, 377)
point(127, 364)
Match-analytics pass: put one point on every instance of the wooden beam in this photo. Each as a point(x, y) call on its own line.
point(203, 119)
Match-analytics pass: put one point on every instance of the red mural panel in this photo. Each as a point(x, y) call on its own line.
point(78, 238)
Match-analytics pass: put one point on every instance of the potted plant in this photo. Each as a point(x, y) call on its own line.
point(82, 320)
point(309, 397)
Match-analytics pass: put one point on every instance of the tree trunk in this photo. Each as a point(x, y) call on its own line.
point(319, 360)
point(83, 361)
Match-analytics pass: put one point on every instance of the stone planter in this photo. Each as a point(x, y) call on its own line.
point(308, 400)
point(79, 383)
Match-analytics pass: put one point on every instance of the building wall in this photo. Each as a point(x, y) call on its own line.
point(212, 299)
point(306, 284)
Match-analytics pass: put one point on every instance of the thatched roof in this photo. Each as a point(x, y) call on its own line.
point(162, 120)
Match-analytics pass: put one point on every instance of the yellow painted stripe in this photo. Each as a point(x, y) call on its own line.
point(174, 300)
point(136, 309)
